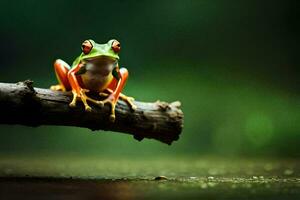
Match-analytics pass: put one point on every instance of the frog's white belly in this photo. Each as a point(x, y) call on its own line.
point(97, 78)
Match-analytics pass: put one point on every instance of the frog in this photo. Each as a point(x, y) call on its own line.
point(96, 70)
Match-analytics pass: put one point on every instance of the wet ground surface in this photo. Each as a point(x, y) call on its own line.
point(202, 178)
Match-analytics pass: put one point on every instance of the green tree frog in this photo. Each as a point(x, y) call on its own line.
point(95, 70)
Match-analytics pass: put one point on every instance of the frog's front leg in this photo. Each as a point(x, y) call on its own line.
point(77, 91)
point(116, 87)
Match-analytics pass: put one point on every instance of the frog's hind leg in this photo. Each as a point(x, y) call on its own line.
point(61, 70)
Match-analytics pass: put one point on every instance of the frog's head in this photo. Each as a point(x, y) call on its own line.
point(94, 51)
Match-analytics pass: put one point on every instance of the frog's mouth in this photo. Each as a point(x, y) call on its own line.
point(100, 64)
point(101, 60)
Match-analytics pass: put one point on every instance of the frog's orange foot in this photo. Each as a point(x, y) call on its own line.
point(74, 100)
point(111, 101)
point(129, 101)
point(57, 88)
point(97, 102)
point(82, 96)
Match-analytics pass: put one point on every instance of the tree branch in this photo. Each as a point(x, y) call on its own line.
point(25, 105)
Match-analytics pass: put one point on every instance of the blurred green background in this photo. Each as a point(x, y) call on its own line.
point(234, 65)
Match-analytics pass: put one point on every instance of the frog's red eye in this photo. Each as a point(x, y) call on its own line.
point(116, 46)
point(86, 46)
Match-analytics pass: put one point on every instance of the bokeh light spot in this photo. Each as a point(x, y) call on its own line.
point(259, 129)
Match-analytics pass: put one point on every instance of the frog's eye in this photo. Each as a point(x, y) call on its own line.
point(86, 46)
point(116, 46)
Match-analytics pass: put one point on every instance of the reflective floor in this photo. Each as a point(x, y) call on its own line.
point(202, 178)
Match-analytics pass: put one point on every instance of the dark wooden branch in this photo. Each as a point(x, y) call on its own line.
point(25, 105)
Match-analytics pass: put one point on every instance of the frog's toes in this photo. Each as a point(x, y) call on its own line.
point(133, 107)
point(88, 108)
point(103, 94)
point(100, 103)
point(72, 104)
point(130, 101)
point(57, 88)
point(130, 98)
point(112, 118)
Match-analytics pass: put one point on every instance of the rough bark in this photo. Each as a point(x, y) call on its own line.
point(23, 104)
